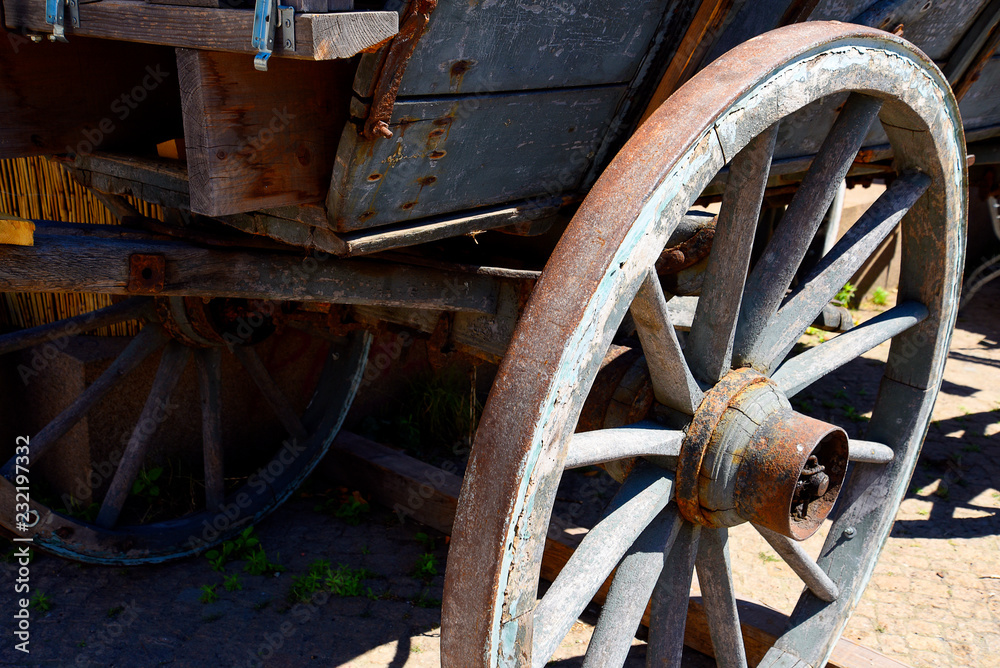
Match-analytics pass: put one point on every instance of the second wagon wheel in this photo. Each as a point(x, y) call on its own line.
point(739, 452)
point(245, 468)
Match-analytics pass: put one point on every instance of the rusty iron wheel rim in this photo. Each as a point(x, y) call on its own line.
point(491, 615)
point(232, 510)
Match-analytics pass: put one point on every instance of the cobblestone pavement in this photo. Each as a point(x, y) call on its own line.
point(934, 599)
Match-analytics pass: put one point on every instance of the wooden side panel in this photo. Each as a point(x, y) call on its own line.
point(66, 98)
point(935, 30)
point(506, 45)
point(981, 105)
point(256, 139)
point(457, 154)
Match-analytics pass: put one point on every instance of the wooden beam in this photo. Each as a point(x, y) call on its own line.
point(429, 495)
point(317, 36)
point(258, 140)
point(87, 258)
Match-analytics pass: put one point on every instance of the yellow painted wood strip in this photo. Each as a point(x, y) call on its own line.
point(16, 231)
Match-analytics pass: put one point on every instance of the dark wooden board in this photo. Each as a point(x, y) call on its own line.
point(507, 45)
point(429, 495)
point(257, 140)
point(456, 154)
point(317, 36)
point(64, 98)
point(981, 105)
point(935, 31)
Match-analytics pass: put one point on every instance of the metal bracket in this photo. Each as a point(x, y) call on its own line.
point(267, 16)
point(55, 12)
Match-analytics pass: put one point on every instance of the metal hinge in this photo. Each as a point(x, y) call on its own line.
point(55, 12)
point(267, 16)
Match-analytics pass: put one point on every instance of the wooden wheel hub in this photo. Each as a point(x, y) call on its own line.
point(748, 457)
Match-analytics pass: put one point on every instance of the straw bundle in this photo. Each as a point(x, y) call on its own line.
point(38, 188)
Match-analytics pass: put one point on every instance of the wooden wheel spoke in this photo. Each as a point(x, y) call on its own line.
point(148, 340)
point(869, 452)
point(272, 393)
point(630, 590)
point(802, 370)
point(642, 496)
point(773, 273)
point(154, 412)
point(128, 309)
point(837, 267)
point(673, 384)
point(802, 564)
point(716, 579)
point(670, 600)
point(209, 382)
point(710, 345)
point(637, 440)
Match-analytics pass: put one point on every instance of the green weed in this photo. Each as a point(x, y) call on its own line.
point(241, 547)
point(425, 600)
point(41, 602)
point(767, 557)
point(426, 567)
point(846, 294)
point(259, 564)
point(880, 296)
point(232, 582)
point(208, 594)
point(145, 484)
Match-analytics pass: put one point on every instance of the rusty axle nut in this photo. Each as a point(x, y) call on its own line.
point(791, 473)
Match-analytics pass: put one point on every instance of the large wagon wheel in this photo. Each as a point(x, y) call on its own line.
point(183, 331)
point(742, 454)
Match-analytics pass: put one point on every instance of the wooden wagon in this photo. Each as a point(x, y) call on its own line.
point(319, 168)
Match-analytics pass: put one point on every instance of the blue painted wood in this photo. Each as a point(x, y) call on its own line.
point(936, 30)
point(459, 153)
point(979, 106)
point(507, 45)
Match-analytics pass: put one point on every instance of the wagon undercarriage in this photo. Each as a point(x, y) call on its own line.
point(656, 338)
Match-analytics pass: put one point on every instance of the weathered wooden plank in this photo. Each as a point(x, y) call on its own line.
point(84, 104)
point(254, 140)
point(429, 495)
point(470, 47)
point(979, 108)
point(397, 481)
point(85, 262)
point(462, 153)
point(317, 36)
point(389, 237)
point(935, 27)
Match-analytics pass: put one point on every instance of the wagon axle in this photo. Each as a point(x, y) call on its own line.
point(748, 457)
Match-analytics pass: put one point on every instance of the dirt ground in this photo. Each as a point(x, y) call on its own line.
point(934, 600)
